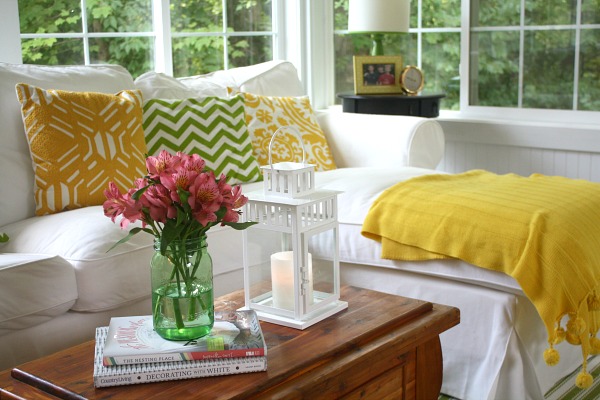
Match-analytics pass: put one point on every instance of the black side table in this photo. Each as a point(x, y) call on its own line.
point(420, 105)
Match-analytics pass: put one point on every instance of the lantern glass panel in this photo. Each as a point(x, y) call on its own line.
point(323, 251)
point(261, 244)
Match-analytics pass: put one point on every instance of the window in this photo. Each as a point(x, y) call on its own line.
point(544, 54)
point(205, 35)
point(433, 44)
point(86, 32)
point(213, 35)
point(534, 54)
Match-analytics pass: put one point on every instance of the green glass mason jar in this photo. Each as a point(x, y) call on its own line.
point(182, 289)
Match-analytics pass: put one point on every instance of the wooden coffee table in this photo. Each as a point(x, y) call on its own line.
point(382, 346)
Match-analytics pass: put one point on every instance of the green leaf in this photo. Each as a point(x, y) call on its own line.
point(3, 238)
point(221, 213)
point(183, 195)
point(171, 231)
point(136, 196)
point(132, 232)
point(240, 226)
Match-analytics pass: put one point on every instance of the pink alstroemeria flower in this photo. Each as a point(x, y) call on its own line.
point(114, 205)
point(119, 204)
point(158, 202)
point(165, 162)
point(133, 210)
point(205, 198)
point(192, 162)
point(181, 179)
point(178, 198)
point(234, 203)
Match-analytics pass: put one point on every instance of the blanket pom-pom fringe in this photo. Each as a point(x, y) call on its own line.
point(559, 335)
point(576, 326)
point(551, 356)
point(593, 302)
point(595, 345)
point(575, 340)
point(584, 380)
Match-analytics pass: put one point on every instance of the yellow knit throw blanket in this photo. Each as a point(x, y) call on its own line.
point(543, 231)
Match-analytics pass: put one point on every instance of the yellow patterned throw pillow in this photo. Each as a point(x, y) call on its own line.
point(265, 114)
point(79, 141)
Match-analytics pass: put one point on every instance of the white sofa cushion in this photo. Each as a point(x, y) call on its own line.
point(17, 201)
point(105, 279)
point(369, 140)
point(33, 289)
point(155, 85)
point(271, 78)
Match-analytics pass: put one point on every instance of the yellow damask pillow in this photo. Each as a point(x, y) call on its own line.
point(79, 141)
point(265, 114)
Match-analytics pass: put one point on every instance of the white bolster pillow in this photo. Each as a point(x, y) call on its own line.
point(372, 140)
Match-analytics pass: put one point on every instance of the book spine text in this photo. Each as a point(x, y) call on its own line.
point(125, 376)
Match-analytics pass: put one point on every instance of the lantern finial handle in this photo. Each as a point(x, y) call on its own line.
point(295, 131)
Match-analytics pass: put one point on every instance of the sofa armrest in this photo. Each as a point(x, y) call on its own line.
point(369, 140)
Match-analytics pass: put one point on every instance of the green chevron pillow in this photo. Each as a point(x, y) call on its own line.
point(212, 127)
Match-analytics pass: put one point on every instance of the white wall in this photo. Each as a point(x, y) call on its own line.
point(10, 42)
point(524, 148)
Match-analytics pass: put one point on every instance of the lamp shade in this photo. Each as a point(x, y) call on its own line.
point(378, 16)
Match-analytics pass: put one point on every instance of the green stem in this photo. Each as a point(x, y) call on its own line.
point(192, 306)
point(158, 302)
point(177, 310)
point(178, 256)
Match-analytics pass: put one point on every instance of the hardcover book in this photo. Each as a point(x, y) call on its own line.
point(118, 375)
point(132, 340)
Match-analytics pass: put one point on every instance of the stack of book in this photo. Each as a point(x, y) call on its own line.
point(129, 351)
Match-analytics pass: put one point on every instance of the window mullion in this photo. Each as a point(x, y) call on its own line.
point(521, 54)
point(161, 27)
point(577, 55)
point(420, 34)
point(224, 36)
point(465, 49)
point(84, 30)
point(277, 21)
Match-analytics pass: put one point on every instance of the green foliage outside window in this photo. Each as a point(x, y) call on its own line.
point(533, 65)
point(199, 47)
point(194, 55)
point(64, 16)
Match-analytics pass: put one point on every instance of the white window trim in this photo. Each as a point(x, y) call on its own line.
point(555, 118)
point(161, 33)
point(558, 118)
point(163, 61)
point(10, 41)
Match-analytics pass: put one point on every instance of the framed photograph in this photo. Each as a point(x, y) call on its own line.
point(377, 74)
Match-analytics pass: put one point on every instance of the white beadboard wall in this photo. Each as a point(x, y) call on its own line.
point(522, 148)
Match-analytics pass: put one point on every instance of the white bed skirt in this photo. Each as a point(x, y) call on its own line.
point(496, 352)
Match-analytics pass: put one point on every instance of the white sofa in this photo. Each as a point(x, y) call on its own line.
point(57, 280)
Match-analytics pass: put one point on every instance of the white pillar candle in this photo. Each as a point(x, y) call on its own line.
point(282, 279)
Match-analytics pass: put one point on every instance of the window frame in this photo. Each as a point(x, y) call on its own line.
point(551, 116)
point(473, 112)
point(303, 34)
point(162, 34)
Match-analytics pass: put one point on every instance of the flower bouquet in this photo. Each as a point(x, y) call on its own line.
point(178, 202)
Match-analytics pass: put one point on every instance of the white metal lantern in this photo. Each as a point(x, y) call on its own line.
point(291, 262)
